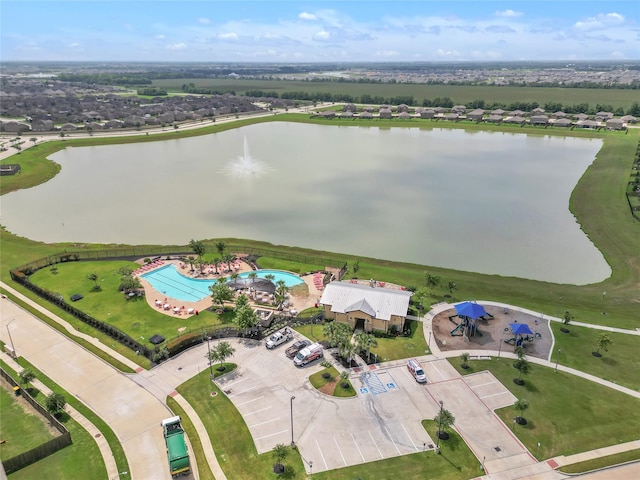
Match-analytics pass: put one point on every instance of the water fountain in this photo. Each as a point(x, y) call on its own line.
point(246, 166)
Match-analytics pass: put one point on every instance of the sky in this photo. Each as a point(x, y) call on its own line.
point(318, 31)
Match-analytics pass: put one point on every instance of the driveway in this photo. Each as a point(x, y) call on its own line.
point(133, 414)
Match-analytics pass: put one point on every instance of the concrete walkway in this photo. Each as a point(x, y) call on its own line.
point(544, 470)
point(98, 437)
point(169, 389)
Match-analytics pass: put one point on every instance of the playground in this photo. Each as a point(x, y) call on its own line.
point(492, 331)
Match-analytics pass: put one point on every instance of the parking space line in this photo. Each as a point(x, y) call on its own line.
point(262, 423)
point(322, 456)
point(356, 444)
point(244, 391)
point(407, 433)
point(235, 383)
point(249, 401)
point(272, 434)
point(392, 440)
point(438, 370)
point(482, 385)
point(374, 442)
point(493, 395)
point(257, 411)
point(340, 451)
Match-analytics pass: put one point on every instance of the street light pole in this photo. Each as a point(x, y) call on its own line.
point(555, 369)
point(13, 348)
point(293, 444)
point(439, 427)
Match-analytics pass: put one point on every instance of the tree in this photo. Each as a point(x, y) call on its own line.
point(245, 316)
point(270, 276)
point(520, 405)
point(464, 357)
point(337, 332)
point(451, 286)
point(228, 258)
point(567, 317)
point(355, 267)
point(33, 140)
point(444, 419)
point(603, 341)
point(420, 295)
point(279, 453)
point(432, 280)
point(220, 353)
point(221, 292)
point(522, 365)
point(26, 376)
point(344, 379)
point(366, 341)
point(347, 350)
point(252, 276)
point(220, 246)
point(55, 403)
point(94, 278)
point(190, 260)
point(198, 247)
point(280, 294)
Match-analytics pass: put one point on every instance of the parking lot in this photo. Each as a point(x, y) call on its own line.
point(330, 432)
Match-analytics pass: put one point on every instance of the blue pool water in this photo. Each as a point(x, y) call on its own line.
point(171, 283)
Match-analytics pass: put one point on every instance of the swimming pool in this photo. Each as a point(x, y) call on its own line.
point(169, 282)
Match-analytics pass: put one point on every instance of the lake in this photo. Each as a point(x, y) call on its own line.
point(486, 202)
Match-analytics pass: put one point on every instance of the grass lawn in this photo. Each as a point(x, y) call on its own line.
point(402, 347)
point(21, 428)
point(566, 414)
point(81, 459)
point(620, 364)
point(287, 265)
point(134, 317)
point(615, 459)
point(234, 449)
point(455, 462)
point(333, 384)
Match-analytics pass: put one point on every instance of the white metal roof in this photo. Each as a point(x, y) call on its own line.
point(379, 302)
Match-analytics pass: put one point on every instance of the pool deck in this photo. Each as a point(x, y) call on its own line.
point(298, 302)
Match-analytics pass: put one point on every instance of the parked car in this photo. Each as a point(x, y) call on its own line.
point(415, 369)
point(293, 350)
point(308, 354)
point(278, 338)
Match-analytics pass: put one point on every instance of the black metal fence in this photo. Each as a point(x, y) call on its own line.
point(41, 451)
point(176, 345)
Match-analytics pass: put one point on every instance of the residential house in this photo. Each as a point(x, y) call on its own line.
point(539, 120)
point(615, 124)
point(365, 307)
point(476, 115)
point(517, 120)
point(562, 122)
point(385, 113)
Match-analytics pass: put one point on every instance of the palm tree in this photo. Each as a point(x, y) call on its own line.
point(220, 292)
point(281, 292)
point(464, 356)
point(366, 341)
point(347, 350)
point(355, 267)
point(444, 419)
point(279, 453)
point(94, 278)
point(228, 258)
point(253, 276)
point(198, 248)
point(520, 405)
point(522, 365)
point(270, 276)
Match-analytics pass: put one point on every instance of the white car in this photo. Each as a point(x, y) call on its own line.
point(278, 338)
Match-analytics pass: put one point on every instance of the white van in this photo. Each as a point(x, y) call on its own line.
point(308, 354)
point(415, 369)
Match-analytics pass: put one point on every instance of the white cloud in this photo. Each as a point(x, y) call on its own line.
point(322, 35)
point(228, 36)
point(508, 13)
point(74, 44)
point(204, 21)
point(177, 46)
point(307, 16)
point(160, 37)
point(600, 21)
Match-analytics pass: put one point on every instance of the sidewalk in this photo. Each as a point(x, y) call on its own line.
point(98, 437)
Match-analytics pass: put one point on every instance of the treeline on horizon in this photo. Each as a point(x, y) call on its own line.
point(444, 102)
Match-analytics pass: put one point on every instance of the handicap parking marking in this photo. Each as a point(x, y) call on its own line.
point(391, 385)
point(364, 390)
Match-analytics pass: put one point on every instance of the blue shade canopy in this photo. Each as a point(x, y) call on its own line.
point(520, 329)
point(470, 309)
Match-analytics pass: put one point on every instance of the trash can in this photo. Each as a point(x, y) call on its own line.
point(16, 391)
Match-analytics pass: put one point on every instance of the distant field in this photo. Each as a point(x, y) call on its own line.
point(459, 94)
